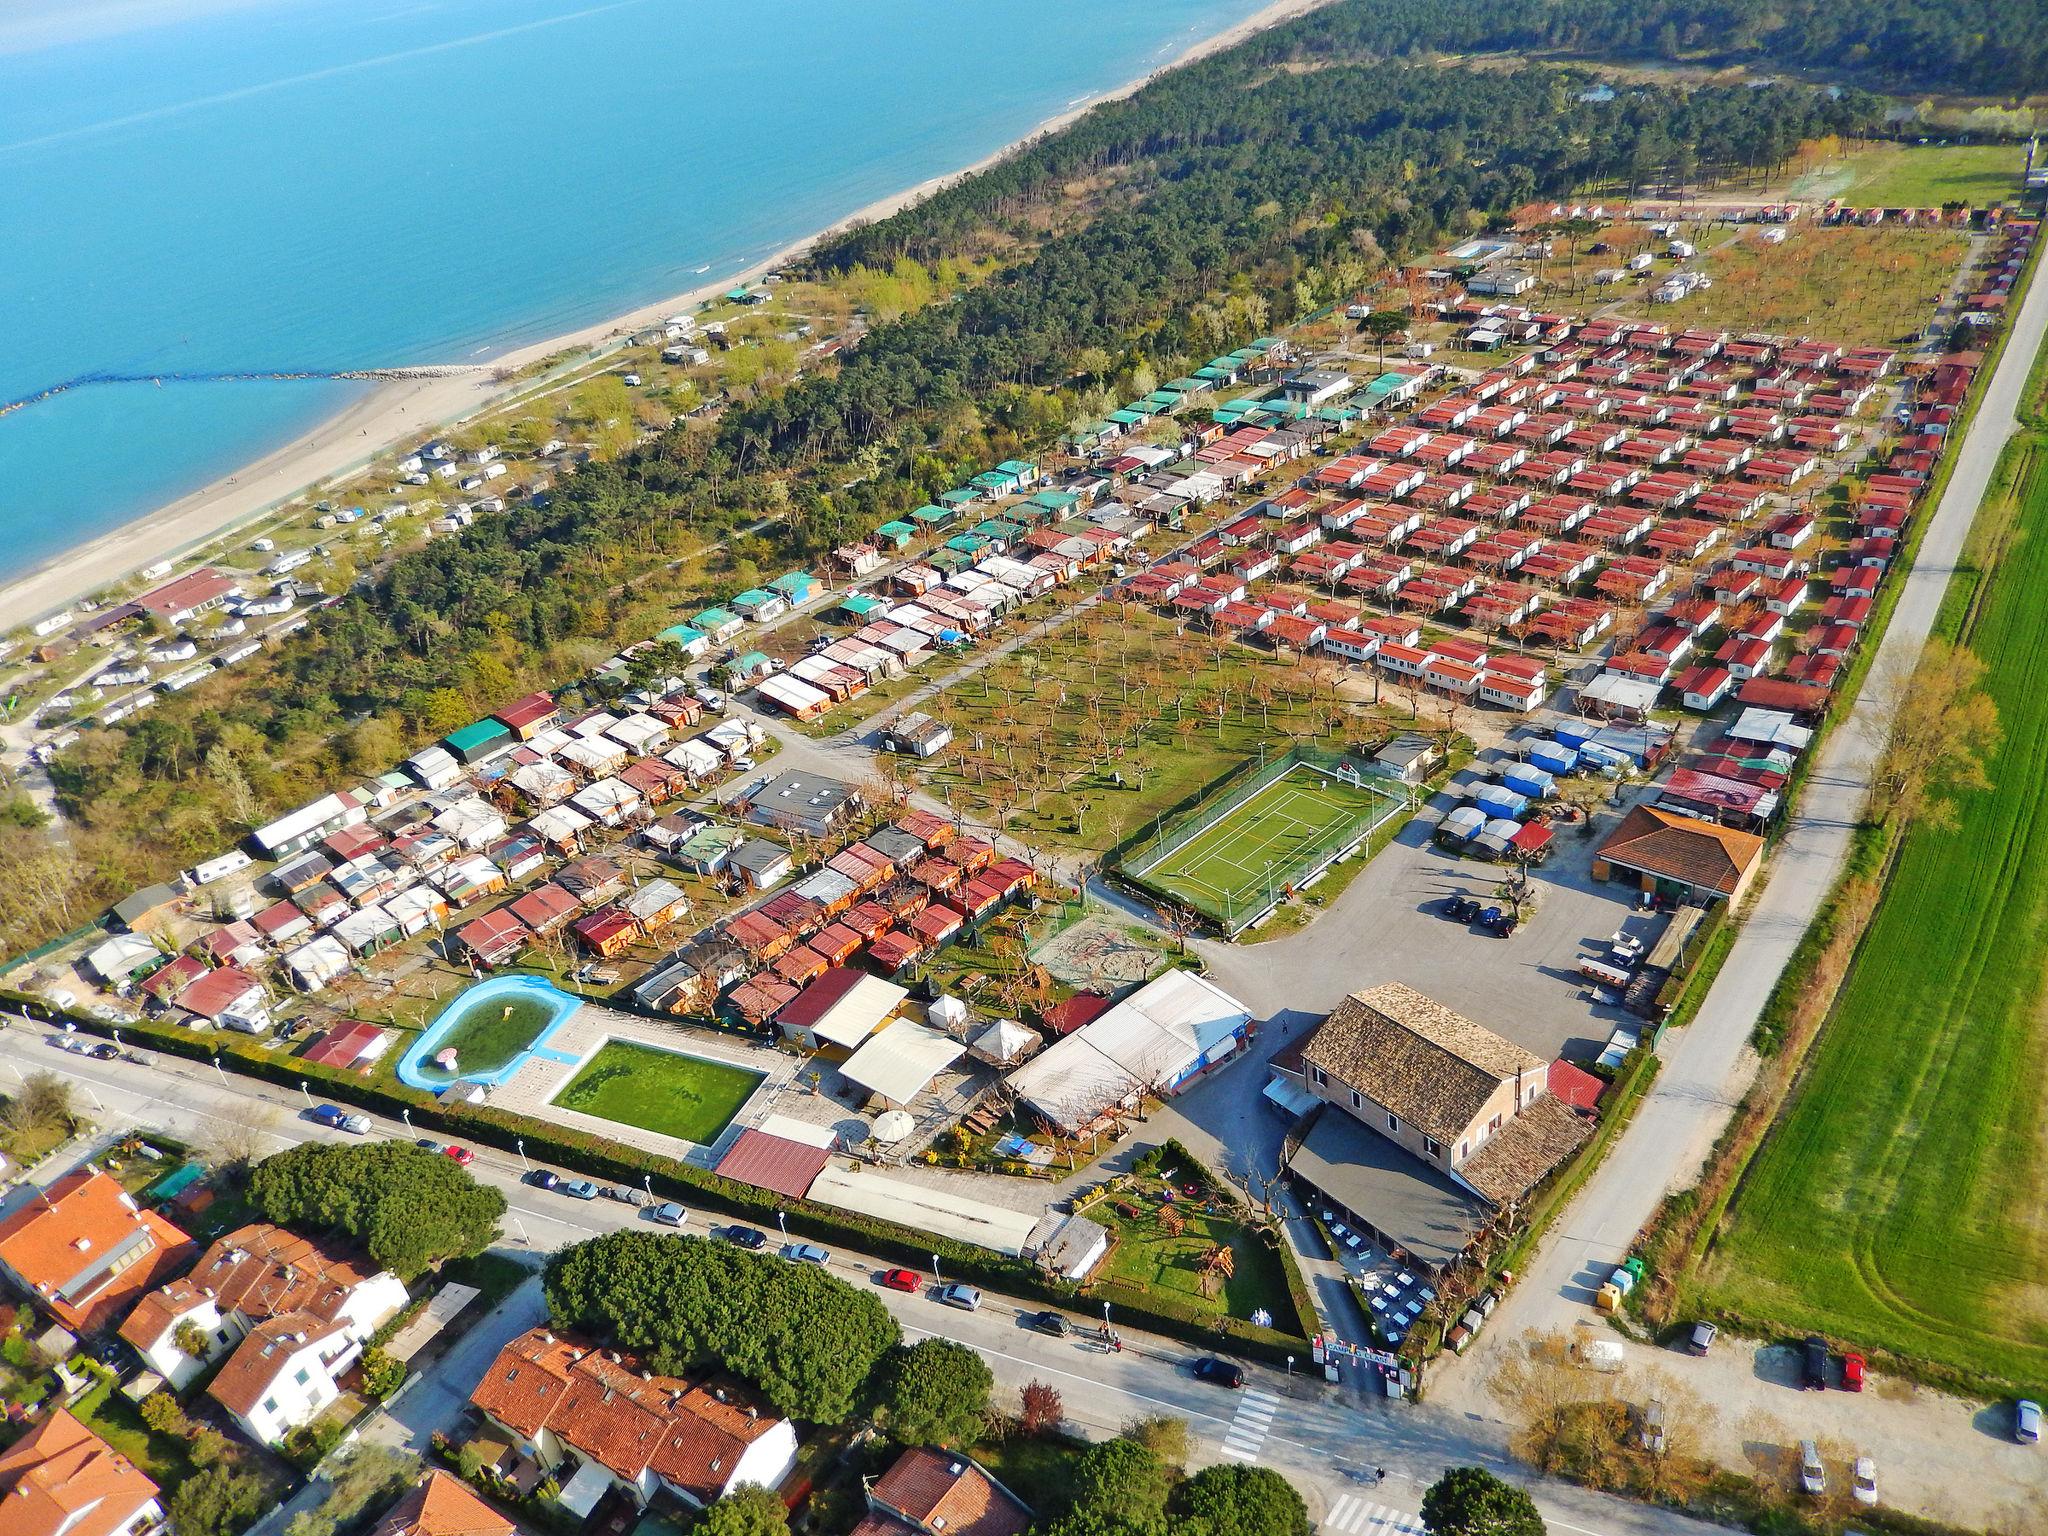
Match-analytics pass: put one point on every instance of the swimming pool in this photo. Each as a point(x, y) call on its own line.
point(493, 1027)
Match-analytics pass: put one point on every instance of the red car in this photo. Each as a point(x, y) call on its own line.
point(1852, 1373)
point(461, 1155)
point(902, 1279)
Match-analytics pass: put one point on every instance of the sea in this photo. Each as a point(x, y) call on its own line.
point(192, 189)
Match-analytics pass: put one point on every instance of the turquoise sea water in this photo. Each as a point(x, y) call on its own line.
point(201, 186)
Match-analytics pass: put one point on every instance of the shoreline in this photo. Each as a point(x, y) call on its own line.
point(394, 412)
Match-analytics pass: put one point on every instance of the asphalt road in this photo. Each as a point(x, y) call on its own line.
point(1320, 1436)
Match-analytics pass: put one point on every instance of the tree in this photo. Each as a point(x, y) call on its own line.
point(383, 1374)
point(1121, 1476)
point(234, 1139)
point(192, 1341)
point(934, 1393)
point(1043, 1408)
point(1382, 325)
point(1939, 726)
point(1471, 1501)
point(1245, 1501)
point(42, 1104)
point(411, 1209)
point(216, 1502)
point(749, 1510)
point(1164, 1436)
point(164, 1415)
point(802, 1335)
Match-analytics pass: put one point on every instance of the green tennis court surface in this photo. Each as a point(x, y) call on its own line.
point(1255, 851)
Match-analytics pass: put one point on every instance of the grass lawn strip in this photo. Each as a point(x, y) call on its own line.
point(657, 1090)
point(1899, 1204)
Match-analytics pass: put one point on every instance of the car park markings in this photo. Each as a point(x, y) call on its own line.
point(1353, 1516)
point(1249, 1425)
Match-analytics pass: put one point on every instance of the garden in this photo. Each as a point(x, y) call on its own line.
point(1184, 1242)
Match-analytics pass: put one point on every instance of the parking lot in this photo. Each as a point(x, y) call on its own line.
point(1387, 927)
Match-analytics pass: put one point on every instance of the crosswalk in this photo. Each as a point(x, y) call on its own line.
point(1352, 1515)
point(1250, 1424)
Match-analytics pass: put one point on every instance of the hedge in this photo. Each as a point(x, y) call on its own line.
point(598, 1156)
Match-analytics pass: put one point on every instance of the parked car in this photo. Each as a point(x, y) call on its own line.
point(1223, 1373)
point(1701, 1339)
point(330, 1115)
point(1054, 1323)
point(2026, 1422)
point(805, 1253)
point(1863, 1487)
point(1813, 1477)
point(668, 1213)
point(356, 1125)
point(542, 1178)
point(900, 1280)
point(1813, 1363)
point(1650, 1426)
point(625, 1194)
point(105, 1052)
point(747, 1237)
point(957, 1293)
point(462, 1155)
point(428, 1144)
point(1460, 909)
point(579, 1189)
point(1852, 1372)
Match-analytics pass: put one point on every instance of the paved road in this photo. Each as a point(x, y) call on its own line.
point(1296, 1424)
point(1709, 1066)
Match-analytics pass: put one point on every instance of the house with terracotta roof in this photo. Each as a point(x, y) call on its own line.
point(1680, 857)
point(83, 1250)
point(594, 1420)
point(264, 1297)
point(941, 1493)
point(442, 1505)
point(1433, 1123)
point(61, 1479)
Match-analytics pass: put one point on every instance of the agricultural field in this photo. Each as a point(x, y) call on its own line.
point(1094, 731)
point(1926, 176)
point(662, 1091)
point(1901, 1203)
point(1852, 285)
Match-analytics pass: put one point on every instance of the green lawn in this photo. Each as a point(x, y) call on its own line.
point(1166, 1267)
point(1901, 1203)
point(1270, 842)
point(1926, 176)
point(657, 1090)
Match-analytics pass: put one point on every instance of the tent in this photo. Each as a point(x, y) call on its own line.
point(1005, 1042)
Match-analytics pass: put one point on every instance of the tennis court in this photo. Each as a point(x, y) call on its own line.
point(1240, 863)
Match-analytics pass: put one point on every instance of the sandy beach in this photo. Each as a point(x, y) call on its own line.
point(401, 411)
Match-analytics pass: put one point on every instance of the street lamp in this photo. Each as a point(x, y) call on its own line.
point(307, 1092)
point(221, 1070)
point(648, 1180)
point(522, 1231)
point(405, 1115)
point(520, 1143)
point(1105, 1314)
point(782, 1221)
point(937, 1278)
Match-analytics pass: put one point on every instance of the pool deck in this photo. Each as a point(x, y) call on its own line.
point(530, 1090)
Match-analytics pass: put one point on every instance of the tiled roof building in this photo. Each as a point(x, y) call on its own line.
point(84, 1250)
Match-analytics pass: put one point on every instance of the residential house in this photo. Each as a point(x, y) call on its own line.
point(61, 1479)
point(82, 1250)
point(595, 1420)
point(249, 1297)
point(442, 1505)
point(808, 803)
point(941, 1493)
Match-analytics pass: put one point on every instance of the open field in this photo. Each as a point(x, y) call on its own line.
point(1094, 731)
point(1901, 1204)
point(1926, 176)
point(1853, 285)
point(1251, 854)
point(659, 1090)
